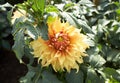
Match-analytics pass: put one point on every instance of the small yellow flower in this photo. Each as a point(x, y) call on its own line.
point(18, 14)
point(64, 49)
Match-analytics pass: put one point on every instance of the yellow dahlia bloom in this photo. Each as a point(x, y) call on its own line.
point(18, 14)
point(64, 49)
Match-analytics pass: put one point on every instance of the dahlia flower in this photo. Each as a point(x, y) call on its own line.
point(64, 48)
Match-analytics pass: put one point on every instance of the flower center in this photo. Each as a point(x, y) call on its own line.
point(60, 41)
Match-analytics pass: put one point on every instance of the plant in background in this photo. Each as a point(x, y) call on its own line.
point(5, 29)
point(54, 37)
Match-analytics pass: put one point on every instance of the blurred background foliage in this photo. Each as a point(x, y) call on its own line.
point(6, 38)
point(99, 20)
point(10, 68)
point(5, 29)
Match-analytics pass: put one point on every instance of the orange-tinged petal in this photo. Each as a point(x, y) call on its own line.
point(64, 49)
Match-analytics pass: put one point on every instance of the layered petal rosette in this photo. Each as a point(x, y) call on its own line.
point(64, 48)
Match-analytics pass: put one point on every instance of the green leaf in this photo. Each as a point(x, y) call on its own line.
point(68, 6)
point(18, 46)
point(103, 22)
point(110, 72)
point(113, 55)
point(86, 2)
point(69, 19)
point(28, 77)
point(78, 23)
point(118, 70)
point(49, 77)
point(74, 77)
point(27, 52)
point(51, 8)
point(9, 14)
point(118, 11)
point(18, 33)
point(40, 5)
point(92, 77)
point(114, 39)
point(90, 41)
point(38, 74)
point(114, 34)
point(94, 58)
point(42, 30)
point(97, 60)
point(31, 30)
point(5, 5)
point(111, 80)
point(16, 25)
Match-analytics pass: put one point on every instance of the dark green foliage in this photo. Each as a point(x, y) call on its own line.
point(101, 24)
point(5, 29)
